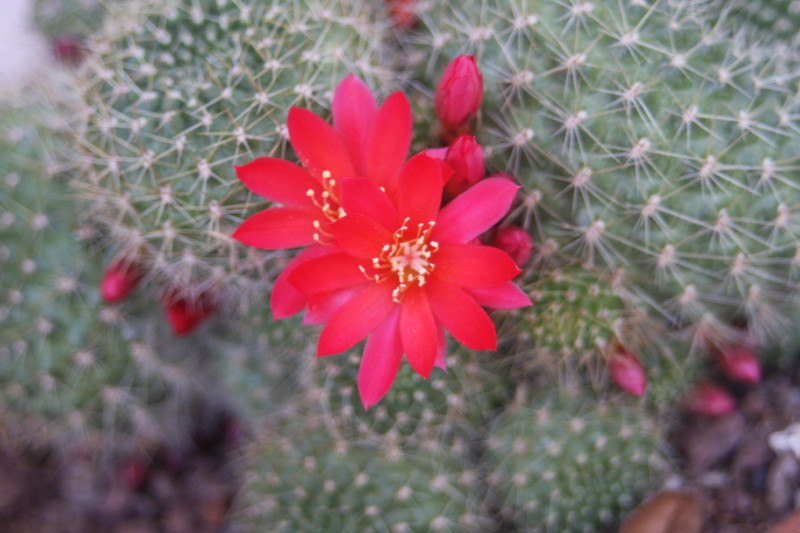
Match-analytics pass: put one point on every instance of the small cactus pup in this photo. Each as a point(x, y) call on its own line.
point(176, 94)
point(651, 138)
point(71, 368)
point(557, 462)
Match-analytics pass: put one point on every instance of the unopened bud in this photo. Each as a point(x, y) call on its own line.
point(740, 363)
point(403, 13)
point(184, 315)
point(465, 156)
point(119, 281)
point(709, 400)
point(627, 373)
point(516, 242)
point(459, 94)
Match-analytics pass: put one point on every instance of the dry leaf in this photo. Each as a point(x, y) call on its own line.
point(666, 512)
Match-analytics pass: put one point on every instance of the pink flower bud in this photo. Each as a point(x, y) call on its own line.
point(119, 281)
point(709, 400)
point(184, 315)
point(403, 13)
point(740, 363)
point(516, 242)
point(627, 373)
point(465, 156)
point(459, 94)
point(68, 49)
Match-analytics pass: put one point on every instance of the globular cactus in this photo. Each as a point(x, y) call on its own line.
point(179, 92)
point(578, 317)
point(74, 18)
point(462, 399)
point(654, 141)
point(72, 369)
point(775, 21)
point(306, 477)
point(558, 463)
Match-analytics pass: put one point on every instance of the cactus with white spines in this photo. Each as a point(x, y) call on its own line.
point(650, 138)
point(70, 366)
point(305, 476)
point(177, 93)
point(556, 464)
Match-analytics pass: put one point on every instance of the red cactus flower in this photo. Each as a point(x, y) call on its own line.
point(627, 373)
point(514, 241)
point(364, 141)
point(410, 274)
point(709, 400)
point(119, 280)
point(184, 315)
point(739, 362)
point(459, 95)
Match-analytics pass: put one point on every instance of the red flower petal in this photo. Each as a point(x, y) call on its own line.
point(360, 235)
point(322, 305)
point(317, 144)
point(356, 319)
point(420, 189)
point(505, 296)
point(458, 312)
point(389, 140)
point(380, 361)
point(354, 110)
point(279, 180)
point(473, 267)
point(419, 331)
point(474, 211)
point(285, 300)
point(362, 196)
point(279, 227)
point(327, 273)
point(441, 351)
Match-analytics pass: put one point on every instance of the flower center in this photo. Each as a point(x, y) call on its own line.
point(408, 257)
point(328, 203)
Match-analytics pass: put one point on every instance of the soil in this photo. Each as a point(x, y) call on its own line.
point(743, 467)
point(168, 490)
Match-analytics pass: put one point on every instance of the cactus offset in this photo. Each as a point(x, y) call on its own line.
point(558, 464)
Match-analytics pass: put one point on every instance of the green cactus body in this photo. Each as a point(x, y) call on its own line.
point(557, 464)
point(413, 410)
point(180, 92)
point(305, 477)
point(577, 318)
point(651, 141)
point(71, 367)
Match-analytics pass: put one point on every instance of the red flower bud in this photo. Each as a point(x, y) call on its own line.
point(119, 281)
point(516, 242)
point(627, 373)
point(403, 12)
point(68, 49)
point(709, 400)
point(459, 94)
point(740, 363)
point(465, 155)
point(184, 315)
